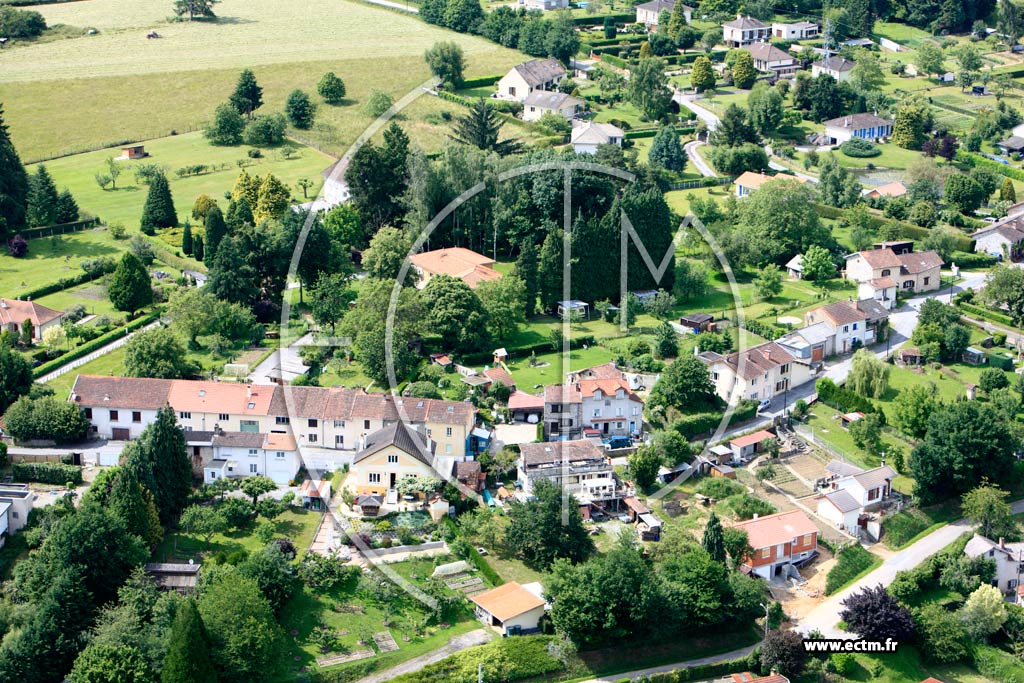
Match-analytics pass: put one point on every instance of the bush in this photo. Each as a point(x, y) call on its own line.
point(47, 473)
point(985, 314)
point(16, 23)
point(264, 131)
point(745, 506)
point(720, 488)
point(691, 426)
point(46, 418)
point(859, 149)
point(850, 563)
point(844, 400)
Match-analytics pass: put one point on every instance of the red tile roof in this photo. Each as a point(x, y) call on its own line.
point(136, 393)
point(507, 601)
point(751, 439)
point(777, 529)
point(17, 312)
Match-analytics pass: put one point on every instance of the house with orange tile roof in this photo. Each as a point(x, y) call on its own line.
point(322, 420)
point(748, 181)
point(759, 373)
point(464, 264)
point(511, 609)
point(14, 313)
point(608, 406)
point(853, 323)
point(779, 541)
point(747, 677)
point(885, 269)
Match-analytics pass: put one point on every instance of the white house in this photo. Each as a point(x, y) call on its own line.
point(759, 373)
point(579, 466)
point(539, 102)
point(648, 12)
point(16, 502)
point(1004, 240)
point(606, 406)
point(877, 270)
point(242, 454)
point(851, 492)
point(1008, 557)
point(748, 181)
point(864, 126)
point(853, 324)
point(744, 31)
point(837, 67)
point(801, 30)
point(14, 313)
point(536, 74)
point(767, 57)
point(545, 5)
point(118, 409)
point(512, 609)
point(589, 135)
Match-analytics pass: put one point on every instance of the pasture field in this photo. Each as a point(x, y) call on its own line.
point(125, 203)
point(94, 91)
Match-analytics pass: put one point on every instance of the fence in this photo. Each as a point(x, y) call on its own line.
point(703, 182)
point(60, 228)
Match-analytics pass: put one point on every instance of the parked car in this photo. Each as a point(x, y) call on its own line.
point(617, 442)
point(763, 405)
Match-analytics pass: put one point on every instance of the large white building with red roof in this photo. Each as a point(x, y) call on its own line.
point(606, 406)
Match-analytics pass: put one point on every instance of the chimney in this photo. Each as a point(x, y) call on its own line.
point(846, 123)
point(1002, 543)
point(756, 515)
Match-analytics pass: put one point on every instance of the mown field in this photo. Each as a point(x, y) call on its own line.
point(84, 93)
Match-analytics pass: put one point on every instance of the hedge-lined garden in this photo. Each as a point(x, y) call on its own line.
point(47, 473)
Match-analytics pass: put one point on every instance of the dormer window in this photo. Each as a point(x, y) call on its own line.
point(886, 272)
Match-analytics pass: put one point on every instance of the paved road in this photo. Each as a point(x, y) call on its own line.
point(696, 159)
point(735, 654)
point(466, 640)
point(825, 616)
point(395, 5)
point(102, 351)
point(705, 115)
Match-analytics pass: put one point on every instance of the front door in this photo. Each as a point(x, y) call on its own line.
point(394, 478)
point(606, 426)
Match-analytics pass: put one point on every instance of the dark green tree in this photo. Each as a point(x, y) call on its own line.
point(129, 287)
point(550, 271)
point(526, 270)
point(643, 467)
point(134, 506)
point(329, 299)
point(186, 240)
point(158, 211)
point(377, 177)
point(783, 651)
point(15, 376)
point(14, 185)
point(214, 231)
point(300, 110)
point(111, 664)
point(239, 214)
point(666, 341)
point(248, 95)
point(157, 354)
point(536, 531)
point(648, 89)
point(188, 655)
point(227, 126)
point(666, 151)
point(734, 128)
point(685, 385)
point(562, 40)
point(274, 574)
point(464, 16)
point(331, 88)
point(67, 207)
point(195, 8)
point(231, 276)
point(432, 11)
point(42, 198)
point(454, 311)
point(713, 541)
point(965, 443)
point(481, 128)
point(743, 72)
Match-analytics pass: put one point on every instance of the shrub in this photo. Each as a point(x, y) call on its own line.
point(506, 659)
point(47, 473)
point(45, 418)
point(16, 23)
point(264, 131)
point(850, 563)
point(844, 400)
point(860, 149)
point(720, 488)
point(745, 506)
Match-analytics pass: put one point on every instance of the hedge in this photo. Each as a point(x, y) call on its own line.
point(614, 61)
point(972, 159)
point(481, 82)
point(94, 345)
point(844, 400)
point(505, 659)
point(1001, 361)
point(986, 314)
point(47, 473)
point(850, 563)
point(769, 332)
point(701, 671)
point(59, 229)
point(973, 260)
point(525, 351)
point(598, 19)
point(162, 254)
point(64, 283)
point(908, 230)
point(691, 426)
point(477, 560)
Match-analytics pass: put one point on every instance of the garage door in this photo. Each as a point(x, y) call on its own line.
point(121, 434)
point(817, 353)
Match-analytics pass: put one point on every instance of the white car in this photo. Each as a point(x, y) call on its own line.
point(763, 405)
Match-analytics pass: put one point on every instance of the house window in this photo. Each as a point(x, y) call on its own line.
point(783, 369)
point(14, 514)
point(184, 415)
point(908, 284)
point(447, 431)
point(339, 424)
point(366, 424)
point(136, 416)
point(312, 438)
point(113, 416)
point(250, 405)
point(281, 420)
point(448, 449)
point(855, 326)
point(926, 280)
point(248, 426)
point(753, 382)
point(339, 439)
point(873, 494)
point(808, 539)
point(886, 272)
point(846, 328)
point(313, 422)
point(512, 90)
point(607, 402)
point(374, 477)
point(253, 468)
point(253, 452)
point(279, 455)
point(88, 413)
point(618, 425)
point(597, 412)
point(223, 417)
point(714, 376)
point(766, 553)
point(392, 459)
point(213, 475)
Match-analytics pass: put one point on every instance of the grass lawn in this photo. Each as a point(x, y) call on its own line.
point(99, 90)
point(125, 203)
point(892, 157)
point(92, 295)
point(296, 523)
point(950, 381)
point(341, 374)
point(48, 261)
point(110, 364)
point(550, 369)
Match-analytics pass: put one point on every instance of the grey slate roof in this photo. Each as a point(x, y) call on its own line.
point(399, 435)
point(843, 469)
point(551, 100)
point(539, 71)
point(843, 501)
point(876, 477)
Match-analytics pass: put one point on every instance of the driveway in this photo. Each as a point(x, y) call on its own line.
point(695, 157)
point(825, 616)
point(688, 100)
point(282, 363)
point(466, 640)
